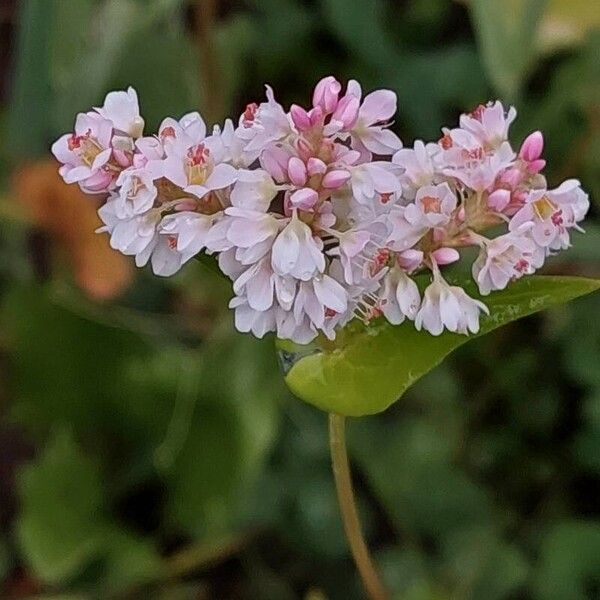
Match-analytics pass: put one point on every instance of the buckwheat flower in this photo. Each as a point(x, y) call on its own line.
point(179, 135)
point(136, 194)
point(259, 323)
point(319, 298)
point(505, 258)
point(164, 256)
point(297, 252)
point(122, 109)
point(233, 147)
point(253, 189)
point(257, 285)
point(370, 180)
point(489, 124)
point(133, 235)
point(250, 232)
point(468, 161)
point(399, 296)
point(198, 169)
point(448, 307)
point(260, 125)
point(553, 213)
point(188, 231)
point(369, 131)
point(418, 167)
point(433, 207)
point(85, 154)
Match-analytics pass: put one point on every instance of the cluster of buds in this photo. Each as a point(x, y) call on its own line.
point(318, 215)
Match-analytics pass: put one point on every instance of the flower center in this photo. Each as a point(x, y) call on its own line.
point(544, 208)
point(86, 147)
point(431, 204)
point(198, 166)
point(446, 141)
point(249, 114)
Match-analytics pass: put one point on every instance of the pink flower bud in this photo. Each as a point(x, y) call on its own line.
point(512, 177)
point(326, 94)
point(335, 179)
point(445, 256)
point(498, 200)
point(519, 197)
point(305, 150)
point(122, 158)
point(410, 259)
point(297, 171)
point(315, 115)
point(462, 215)
point(300, 117)
point(535, 166)
point(346, 111)
point(274, 160)
point(315, 166)
point(532, 146)
point(304, 199)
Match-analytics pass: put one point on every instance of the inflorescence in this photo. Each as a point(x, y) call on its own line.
point(319, 215)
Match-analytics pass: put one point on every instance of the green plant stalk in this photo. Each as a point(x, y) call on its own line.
point(343, 483)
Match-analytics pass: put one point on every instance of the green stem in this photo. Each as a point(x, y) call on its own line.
point(343, 483)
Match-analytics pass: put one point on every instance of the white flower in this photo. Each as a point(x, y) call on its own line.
point(370, 180)
point(253, 190)
point(250, 232)
point(137, 193)
point(489, 124)
point(297, 252)
point(418, 165)
point(256, 284)
point(448, 307)
point(370, 129)
point(470, 162)
point(506, 258)
point(131, 236)
point(123, 110)
point(553, 213)
point(248, 319)
point(190, 230)
point(399, 296)
point(260, 125)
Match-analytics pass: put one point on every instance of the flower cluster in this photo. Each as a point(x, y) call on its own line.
point(317, 214)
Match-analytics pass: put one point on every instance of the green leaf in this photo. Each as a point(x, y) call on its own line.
point(368, 368)
point(569, 561)
point(60, 526)
point(506, 33)
point(28, 126)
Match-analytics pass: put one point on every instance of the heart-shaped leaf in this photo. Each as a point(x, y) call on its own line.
point(368, 368)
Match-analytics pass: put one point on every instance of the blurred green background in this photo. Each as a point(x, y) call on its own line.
point(148, 451)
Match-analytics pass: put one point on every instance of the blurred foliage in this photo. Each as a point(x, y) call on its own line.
point(148, 451)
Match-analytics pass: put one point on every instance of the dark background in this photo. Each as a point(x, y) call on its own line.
point(148, 451)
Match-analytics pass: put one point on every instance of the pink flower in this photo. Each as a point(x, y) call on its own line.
point(506, 258)
point(326, 94)
point(297, 252)
point(369, 180)
point(399, 297)
point(448, 307)
point(86, 153)
point(489, 124)
point(263, 124)
point(122, 109)
point(418, 165)
point(370, 129)
point(553, 213)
